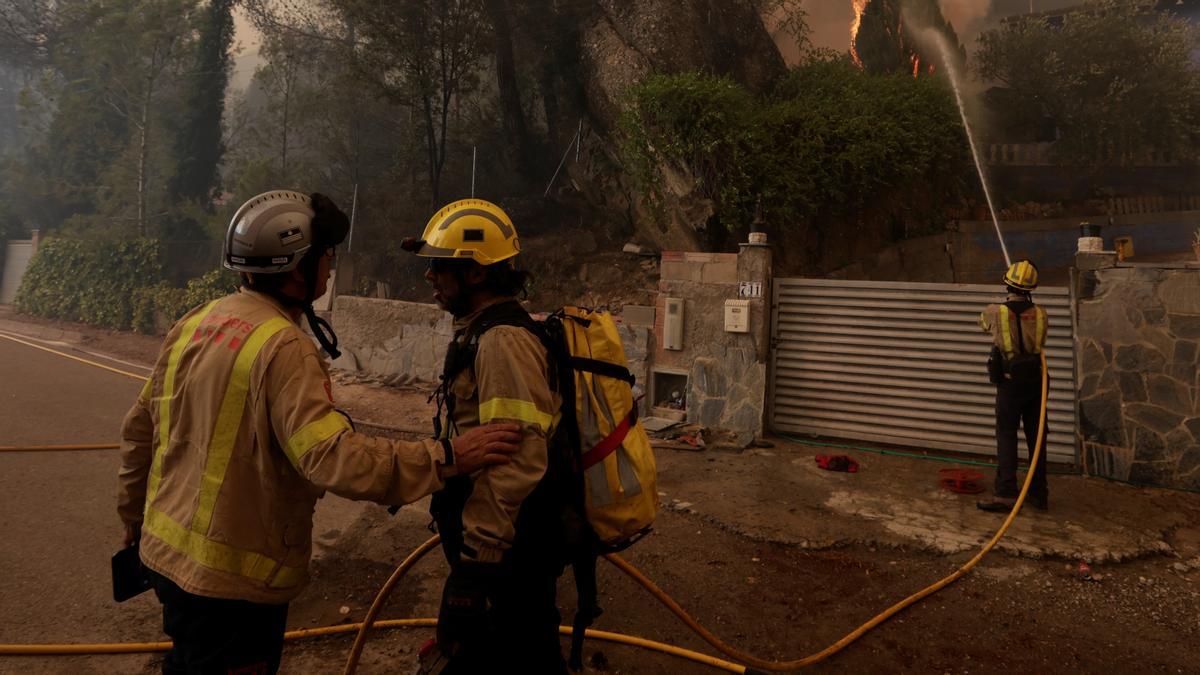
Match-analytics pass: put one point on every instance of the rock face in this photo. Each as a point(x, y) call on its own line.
point(626, 41)
point(1138, 339)
point(622, 43)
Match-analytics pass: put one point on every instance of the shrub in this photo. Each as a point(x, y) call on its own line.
point(113, 283)
point(828, 143)
point(93, 281)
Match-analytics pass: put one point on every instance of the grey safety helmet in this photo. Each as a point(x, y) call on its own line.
point(270, 233)
point(283, 230)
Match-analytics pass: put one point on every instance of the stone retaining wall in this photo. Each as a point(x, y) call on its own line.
point(1137, 343)
point(398, 341)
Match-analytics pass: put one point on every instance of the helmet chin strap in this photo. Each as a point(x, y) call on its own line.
point(323, 332)
point(320, 327)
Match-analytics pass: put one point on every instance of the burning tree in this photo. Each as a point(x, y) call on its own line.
point(885, 36)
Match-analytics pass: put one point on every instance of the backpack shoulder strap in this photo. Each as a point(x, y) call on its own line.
point(1016, 308)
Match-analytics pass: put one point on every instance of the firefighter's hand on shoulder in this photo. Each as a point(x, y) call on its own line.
point(465, 601)
point(484, 446)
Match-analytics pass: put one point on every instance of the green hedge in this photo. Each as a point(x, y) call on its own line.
point(827, 143)
point(110, 283)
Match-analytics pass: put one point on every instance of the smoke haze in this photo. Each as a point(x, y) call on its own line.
point(830, 19)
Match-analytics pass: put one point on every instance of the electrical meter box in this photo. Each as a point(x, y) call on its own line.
point(737, 316)
point(673, 324)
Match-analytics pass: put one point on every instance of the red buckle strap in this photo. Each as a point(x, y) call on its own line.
point(611, 442)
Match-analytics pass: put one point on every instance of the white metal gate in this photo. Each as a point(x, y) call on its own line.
point(904, 364)
point(16, 258)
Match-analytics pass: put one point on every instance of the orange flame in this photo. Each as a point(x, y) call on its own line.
point(859, 7)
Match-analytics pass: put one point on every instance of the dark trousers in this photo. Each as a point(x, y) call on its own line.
point(521, 634)
point(1017, 405)
point(214, 636)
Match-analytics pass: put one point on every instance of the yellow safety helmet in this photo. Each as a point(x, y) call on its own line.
point(468, 228)
point(1021, 275)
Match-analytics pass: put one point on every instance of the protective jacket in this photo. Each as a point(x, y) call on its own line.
point(232, 441)
point(509, 381)
point(1000, 321)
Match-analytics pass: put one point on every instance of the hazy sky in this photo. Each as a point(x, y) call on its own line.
point(830, 19)
point(245, 59)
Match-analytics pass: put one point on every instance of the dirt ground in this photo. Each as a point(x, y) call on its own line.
point(774, 556)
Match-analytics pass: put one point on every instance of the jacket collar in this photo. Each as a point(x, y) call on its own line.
point(464, 322)
point(268, 300)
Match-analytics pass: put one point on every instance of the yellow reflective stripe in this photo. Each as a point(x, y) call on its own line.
point(168, 392)
point(219, 556)
point(514, 409)
point(229, 420)
point(1006, 330)
point(1041, 329)
point(147, 389)
point(313, 433)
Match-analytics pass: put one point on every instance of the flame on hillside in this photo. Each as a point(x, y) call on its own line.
point(859, 7)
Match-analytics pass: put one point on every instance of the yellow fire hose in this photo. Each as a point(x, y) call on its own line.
point(752, 661)
point(57, 448)
point(716, 642)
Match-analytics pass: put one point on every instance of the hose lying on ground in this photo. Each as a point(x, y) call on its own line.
point(750, 659)
point(58, 448)
point(743, 657)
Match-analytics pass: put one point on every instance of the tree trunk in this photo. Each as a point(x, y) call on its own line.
point(143, 151)
point(506, 80)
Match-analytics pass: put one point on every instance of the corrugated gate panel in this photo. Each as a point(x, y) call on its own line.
point(903, 363)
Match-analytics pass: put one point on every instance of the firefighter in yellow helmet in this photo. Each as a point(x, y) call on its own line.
point(502, 530)
point(235, 437)
point(1018, 329)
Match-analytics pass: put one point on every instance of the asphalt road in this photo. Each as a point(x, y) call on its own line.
point(59, 526)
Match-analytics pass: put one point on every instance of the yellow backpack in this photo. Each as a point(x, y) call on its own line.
point(611, 464)
point(616, 460)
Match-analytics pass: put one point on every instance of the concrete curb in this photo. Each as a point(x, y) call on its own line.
point(40, 332)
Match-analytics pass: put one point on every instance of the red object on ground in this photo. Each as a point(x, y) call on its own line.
point(837, 463)
point(962, 481)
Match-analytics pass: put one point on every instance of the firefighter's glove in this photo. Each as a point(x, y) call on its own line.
point(465, 601)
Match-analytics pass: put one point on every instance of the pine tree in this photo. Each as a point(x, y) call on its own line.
point(198, 142)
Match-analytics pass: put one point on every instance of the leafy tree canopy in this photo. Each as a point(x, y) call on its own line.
point(1115, 81)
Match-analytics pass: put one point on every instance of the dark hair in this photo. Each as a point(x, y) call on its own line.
point(504, 279)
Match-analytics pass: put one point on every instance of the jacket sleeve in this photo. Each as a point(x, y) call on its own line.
point(987, 318)
point(512, 384)
point(320, 444)
point(137, 451)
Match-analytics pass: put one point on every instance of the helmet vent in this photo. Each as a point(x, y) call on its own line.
point(472, 235)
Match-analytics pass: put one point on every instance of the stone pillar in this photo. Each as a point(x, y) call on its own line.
point(1137, 345)
point(754, 266)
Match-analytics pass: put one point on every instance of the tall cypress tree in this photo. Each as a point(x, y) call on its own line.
point(887, 40)
point(198, 142)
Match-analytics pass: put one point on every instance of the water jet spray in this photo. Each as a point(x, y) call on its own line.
point(952, 71)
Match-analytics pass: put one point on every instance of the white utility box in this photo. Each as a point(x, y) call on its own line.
point(673, 324)
point(737, 316)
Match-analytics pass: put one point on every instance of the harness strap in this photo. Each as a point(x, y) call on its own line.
point(1016, 309)
point(584, 567)
point(602, 368)
point(610, 442)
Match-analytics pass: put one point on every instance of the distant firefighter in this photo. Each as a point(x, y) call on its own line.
point(1018, 329)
